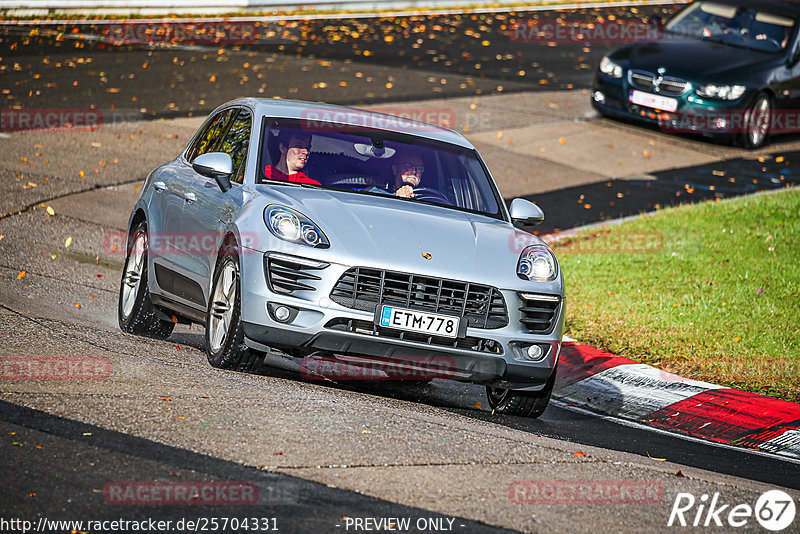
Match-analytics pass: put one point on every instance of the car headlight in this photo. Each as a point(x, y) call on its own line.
point(290, 225)
point(723, 92)
point(609, 68)
point(537, 263)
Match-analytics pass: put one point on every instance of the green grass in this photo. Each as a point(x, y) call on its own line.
point(708, 291)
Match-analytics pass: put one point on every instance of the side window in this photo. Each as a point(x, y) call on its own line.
point(208, 138)
point(236, 143)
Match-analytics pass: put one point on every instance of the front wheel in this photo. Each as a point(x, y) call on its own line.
point(523, 403)
point(757, 121)
point(135, 310)
point(225, 346)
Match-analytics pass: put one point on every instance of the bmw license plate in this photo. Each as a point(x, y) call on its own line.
point(664, 103)
point(415, 321)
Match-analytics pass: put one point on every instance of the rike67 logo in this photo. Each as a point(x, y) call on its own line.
point(774, 510)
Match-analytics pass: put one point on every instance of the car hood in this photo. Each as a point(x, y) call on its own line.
point(374, 231)
point(710, 61)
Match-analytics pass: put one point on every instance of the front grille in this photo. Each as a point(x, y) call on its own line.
point(539, 312)
point(362, 288)
point(286, 274)
point(647, 81)
point(368, 328)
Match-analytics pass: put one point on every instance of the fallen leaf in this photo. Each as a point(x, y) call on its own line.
point(174, 319)
point(50, 211)
point(166, 399)
point(679, 474)
point(366, 431)
point(78, 305)
point(579, 453)
point(22, 274)
point(562, 140)
point(737, 338)
point(656, 459)
point(478, 405)
point(277, 453)
point(68, 242)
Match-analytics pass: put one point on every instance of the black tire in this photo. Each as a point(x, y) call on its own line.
point(135, 311)
point(757, 120)
point(229, 351)
point(522, 403)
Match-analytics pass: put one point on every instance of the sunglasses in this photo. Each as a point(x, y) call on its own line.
point(410, 167)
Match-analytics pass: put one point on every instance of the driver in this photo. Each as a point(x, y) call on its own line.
point(295, 150)
point(407, 172)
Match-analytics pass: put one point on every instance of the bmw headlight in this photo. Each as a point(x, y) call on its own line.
point(291, 225)
point(722, 92)
point(609, 68)
point(537, 263)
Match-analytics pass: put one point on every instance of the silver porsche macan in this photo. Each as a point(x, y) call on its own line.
point(318, 238)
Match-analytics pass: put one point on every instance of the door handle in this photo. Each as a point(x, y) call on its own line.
point(159, 186)
point(189, 197)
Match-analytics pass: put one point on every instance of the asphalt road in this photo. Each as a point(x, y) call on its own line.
point(319, 452)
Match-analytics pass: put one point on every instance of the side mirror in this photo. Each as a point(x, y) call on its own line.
point(216, 165)
point(525, 213)
point(794, 57)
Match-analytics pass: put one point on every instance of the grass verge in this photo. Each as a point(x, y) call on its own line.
point(708, 291)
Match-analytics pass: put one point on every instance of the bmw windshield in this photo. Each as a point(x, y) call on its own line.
point(376, 162)
point(734, 25)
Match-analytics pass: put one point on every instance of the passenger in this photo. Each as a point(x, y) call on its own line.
point(294, 147)
point(407, 172)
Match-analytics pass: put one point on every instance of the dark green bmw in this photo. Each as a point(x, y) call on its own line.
point(727, 68)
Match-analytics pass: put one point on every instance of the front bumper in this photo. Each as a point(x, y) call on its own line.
point(319, 325)
point(694, 115)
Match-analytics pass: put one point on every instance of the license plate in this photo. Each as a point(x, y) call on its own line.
point(649, 100)
point(415, 321)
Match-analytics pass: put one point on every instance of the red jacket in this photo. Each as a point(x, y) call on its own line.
point(271, 173)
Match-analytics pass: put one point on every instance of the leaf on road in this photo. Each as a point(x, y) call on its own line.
point(656, 459)
point(50, 211)
point(22, 274)
point(478, 405)
point(579, 453)
point(68, 242)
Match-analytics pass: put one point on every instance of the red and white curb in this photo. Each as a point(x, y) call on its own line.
point(608, 384)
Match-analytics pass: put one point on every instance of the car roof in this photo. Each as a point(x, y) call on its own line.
point(787, 7)
point(316, 111)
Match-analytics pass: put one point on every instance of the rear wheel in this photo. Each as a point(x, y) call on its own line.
point(225, 346)
point(757, 121)
point(524, 403)
point(135, 311)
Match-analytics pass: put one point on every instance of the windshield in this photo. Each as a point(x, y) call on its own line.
point(377, 162)
point(739, 26)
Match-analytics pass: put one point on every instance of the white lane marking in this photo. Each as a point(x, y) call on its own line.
point(338, 16)
point(631, 390)
point(642, 426)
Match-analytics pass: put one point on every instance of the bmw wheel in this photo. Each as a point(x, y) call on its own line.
point(524, 403)
point(135, 310)
point(225, 346)
point(757, 122)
